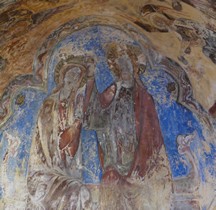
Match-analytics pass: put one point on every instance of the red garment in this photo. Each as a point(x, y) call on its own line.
point(148, 131)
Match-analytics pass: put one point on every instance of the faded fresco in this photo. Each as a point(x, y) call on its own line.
point(107, 120)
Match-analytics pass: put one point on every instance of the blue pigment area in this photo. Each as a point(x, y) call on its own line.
point(174, 118)
point(21, 125)
point(211, 160)
point(103, 76)
point(91, 41)
point(92, 171)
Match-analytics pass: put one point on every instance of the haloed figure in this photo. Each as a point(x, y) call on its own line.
point(55, 177)
point(126, 121)
point(129, 135)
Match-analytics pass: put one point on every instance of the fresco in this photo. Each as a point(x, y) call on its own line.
point(105, 120)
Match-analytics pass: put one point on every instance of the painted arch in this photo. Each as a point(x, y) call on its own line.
point(182, 122)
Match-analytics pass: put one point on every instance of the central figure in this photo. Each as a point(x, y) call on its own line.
point(125, 119)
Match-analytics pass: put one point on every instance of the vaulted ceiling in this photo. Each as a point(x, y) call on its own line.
point(184, 31)
point(175, 41)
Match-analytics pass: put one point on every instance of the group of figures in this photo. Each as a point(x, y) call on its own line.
point(118, 128)
point(106, 136)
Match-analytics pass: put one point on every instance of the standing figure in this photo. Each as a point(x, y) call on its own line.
point(131, 145)
point(126, 121)
point(55, 176)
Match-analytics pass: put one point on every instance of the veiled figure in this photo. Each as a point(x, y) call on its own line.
point(54, 180)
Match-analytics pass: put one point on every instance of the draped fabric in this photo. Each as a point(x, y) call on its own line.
point(148, 131)
point(130, 122)
point(54, 182)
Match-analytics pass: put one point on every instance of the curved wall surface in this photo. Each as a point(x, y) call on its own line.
point(107, 105)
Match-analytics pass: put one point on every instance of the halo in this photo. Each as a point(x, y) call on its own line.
point(66, 64)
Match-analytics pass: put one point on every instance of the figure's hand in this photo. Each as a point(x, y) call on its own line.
point(112, 176)
point(107, 96)
point(69, 139)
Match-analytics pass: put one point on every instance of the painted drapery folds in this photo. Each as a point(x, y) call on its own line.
point(105, 122)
